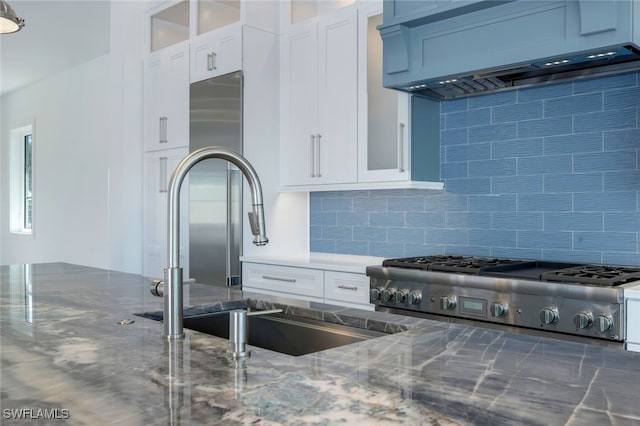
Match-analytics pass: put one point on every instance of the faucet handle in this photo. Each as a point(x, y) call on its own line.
point(253, 223)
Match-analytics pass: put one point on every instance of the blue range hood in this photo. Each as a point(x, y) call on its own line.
point(466, 48)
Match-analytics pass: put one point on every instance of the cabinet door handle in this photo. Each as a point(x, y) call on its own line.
point(211, 61)
point(272, 278)
point(163, 130)
point(348, 287)
point(163, 175)
point(312, 155)
point(318, 136)
point(401, 148)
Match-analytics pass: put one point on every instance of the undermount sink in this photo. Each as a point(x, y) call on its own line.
point(282, 333)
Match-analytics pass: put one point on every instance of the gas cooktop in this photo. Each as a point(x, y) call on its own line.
point(563, 272)
point(585, 300)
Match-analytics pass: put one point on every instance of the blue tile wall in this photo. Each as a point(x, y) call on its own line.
point(545, 173)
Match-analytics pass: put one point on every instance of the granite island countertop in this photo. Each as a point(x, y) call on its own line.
point(66, 354)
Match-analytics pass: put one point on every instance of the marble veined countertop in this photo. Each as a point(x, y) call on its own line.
point(68, 358)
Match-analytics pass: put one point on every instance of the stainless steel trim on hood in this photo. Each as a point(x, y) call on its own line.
point(601, 62)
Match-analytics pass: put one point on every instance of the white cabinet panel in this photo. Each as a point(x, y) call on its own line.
point(318, 285)
point(216, 53)
point(283, 279)
point(346, 288)
point(166, 98)
point(633, 324)
point(157, 169)
point(319, 77)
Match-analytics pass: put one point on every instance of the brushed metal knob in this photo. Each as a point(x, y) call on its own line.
point(374, 294)
point(582, 320)
point(603, 323)
point(400, 296)
point(414, 298)
point(387, 294)
point(498, 309)
point(548, 316)
point(447, 303)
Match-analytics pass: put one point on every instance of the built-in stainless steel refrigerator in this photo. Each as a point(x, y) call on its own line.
point(215, 186)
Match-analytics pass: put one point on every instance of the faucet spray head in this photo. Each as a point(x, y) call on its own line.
point(256, 221)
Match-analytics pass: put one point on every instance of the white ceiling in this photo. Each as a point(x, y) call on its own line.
point(57, 35)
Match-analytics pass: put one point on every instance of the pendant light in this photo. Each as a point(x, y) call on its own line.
point(9, 22)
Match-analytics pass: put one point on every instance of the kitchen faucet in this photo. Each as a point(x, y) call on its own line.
point(173, 274)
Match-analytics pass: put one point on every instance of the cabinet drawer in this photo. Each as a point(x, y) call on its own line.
point(346, 288)
point(633, 321)
point(286, 279)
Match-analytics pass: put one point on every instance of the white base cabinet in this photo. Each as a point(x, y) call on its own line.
point(632, 341)
point(157, 169)
point(317, 285)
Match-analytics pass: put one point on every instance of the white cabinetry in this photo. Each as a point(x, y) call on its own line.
point(180, 37)
point(166, 97)
point(216, 53)
point(319, 88)
point(346, 289)
point(301, 283)
point(632, 320)
point(157, 169)
point(317, 285)
point(347, 132)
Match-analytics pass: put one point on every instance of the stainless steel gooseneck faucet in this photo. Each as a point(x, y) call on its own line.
point(173, 274)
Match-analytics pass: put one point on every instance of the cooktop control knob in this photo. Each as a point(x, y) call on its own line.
point(447, 303)
point(387, 294)
point(375, 293)
point(583, 320)
point(414, 297)
point(548, 316)
point(498, 309)
point(400, 296)
point(603, 323)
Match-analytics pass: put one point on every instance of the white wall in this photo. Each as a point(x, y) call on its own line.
point(87, 159)
point(286, 214)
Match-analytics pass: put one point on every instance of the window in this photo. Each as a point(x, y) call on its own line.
point(21, 178)
point(27, 221)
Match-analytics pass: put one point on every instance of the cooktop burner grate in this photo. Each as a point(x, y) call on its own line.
point(442, 263)
point(600, 275)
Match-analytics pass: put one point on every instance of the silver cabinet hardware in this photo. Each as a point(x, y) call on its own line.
point(163, 174)
point(312, 154)
point(211, 61)
point(272, 278)
point(348, 287)
point(163, 129)
point(317, 155)
point(401, 148)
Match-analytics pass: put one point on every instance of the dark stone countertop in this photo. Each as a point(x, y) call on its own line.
point(64, 354)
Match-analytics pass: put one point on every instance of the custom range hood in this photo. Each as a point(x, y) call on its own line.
point(451, 52)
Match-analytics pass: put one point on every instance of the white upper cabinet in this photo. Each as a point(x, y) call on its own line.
point(168, 25)
point(383, 134)
point(302, 10)
point(341, 130)
point(216, 48)
point(216, 53)
point(389, 143)
point(319, 89)
point(166, 96)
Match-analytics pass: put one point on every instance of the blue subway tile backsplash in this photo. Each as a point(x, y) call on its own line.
point(545, 173)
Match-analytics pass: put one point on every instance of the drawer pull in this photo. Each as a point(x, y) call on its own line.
point(348, 287)
point(287, 280)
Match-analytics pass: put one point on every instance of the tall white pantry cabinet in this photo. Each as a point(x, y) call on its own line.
point(189, 41)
